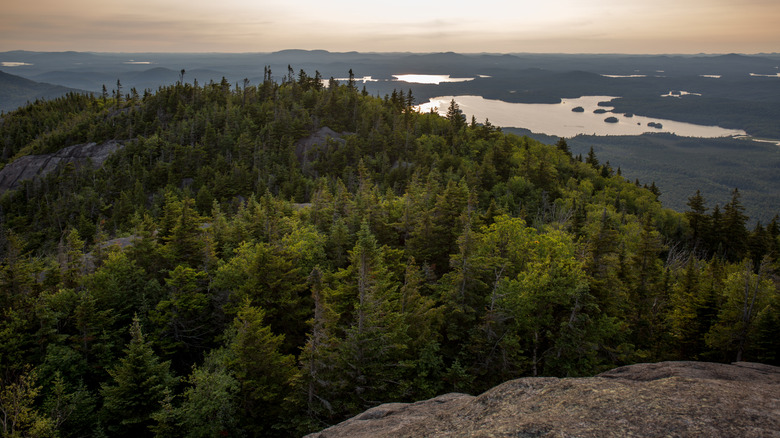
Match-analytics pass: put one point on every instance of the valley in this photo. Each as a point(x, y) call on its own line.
point(695, 97)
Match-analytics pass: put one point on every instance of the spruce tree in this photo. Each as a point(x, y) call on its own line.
point(138, 384)
point(698, 219)
point(591, 158)
point(265, 376)
point(455, 116)
point(370, 351)
point(646, 295)
point(209, 403)
point(733, 223)
point(563, 146)
point(317, 356)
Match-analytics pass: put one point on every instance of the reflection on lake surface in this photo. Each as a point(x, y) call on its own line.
point(429, 79)
point(678, 93)
point(364, 79)
point(13, 64)
point(776, 75)
point(747, 137)
point(560, 120)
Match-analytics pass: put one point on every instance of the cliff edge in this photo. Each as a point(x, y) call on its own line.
point(649, 400)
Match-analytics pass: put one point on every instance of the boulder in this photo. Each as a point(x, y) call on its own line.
point(651, 400)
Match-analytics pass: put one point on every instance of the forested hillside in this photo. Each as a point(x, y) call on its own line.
point(276, 283)
point(16, 91)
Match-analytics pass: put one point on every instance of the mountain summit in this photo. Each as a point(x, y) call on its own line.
point(662, 399)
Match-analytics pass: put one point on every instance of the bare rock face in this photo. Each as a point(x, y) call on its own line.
point(667, 399)
point(309, 149)
point(32, 166)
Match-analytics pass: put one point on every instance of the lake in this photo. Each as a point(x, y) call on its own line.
point(430, 79)
point(559, 119)
point(412, 79)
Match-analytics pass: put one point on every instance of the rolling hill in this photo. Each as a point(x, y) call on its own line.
point(16, 91)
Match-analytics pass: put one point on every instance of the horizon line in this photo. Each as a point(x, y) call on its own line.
point(397, 52)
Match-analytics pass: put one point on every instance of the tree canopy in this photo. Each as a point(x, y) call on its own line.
point(276, 281)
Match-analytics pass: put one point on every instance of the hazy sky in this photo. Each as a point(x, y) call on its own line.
point(588, 26)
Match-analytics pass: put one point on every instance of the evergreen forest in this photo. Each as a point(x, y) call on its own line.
point(220, 275)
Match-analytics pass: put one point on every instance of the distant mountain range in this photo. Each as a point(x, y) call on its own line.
point(91, 71)
point(16, 91)
point(734, 91)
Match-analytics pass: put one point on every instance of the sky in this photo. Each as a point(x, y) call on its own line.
point(540, 26)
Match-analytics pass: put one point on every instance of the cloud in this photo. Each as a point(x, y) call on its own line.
point(136, 32)
point(405, 25)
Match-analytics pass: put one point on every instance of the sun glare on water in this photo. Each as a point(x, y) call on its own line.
point(429, 79)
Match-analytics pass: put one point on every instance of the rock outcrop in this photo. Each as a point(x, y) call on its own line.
point(33, 166)
point(667, 399)
point(308, 149)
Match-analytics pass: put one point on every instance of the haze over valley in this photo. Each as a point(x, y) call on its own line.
point(704, 97)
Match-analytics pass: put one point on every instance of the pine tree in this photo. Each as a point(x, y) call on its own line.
point(735, 234)
point(209, 405)
point(455, 116)
point(716, 237)
point(759, 244)
point(120, 287)
point(139, 382)
point(686, 301)
point(563, 146)
point(773, 230)
point(118, 92)
point(94, 336)
point(423, 320)
point(71, 258)
point(375, 338)
point(183, 318)
point(646, 268)
point(185, 243)
point(654, 189)
point(698, 219)
point(746, 294)
point(264, 374)
point(463, 288)
point(601, 264)
point(591, 158)
point(317, 357)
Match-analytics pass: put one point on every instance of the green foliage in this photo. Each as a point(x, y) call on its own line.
point(297, 281)
point(139, 382)
point(262, 371)
point(209, 404)
point(374, 335)
point(20, 417)
point(71, 407)
point(184, 319)
point(746, 296)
